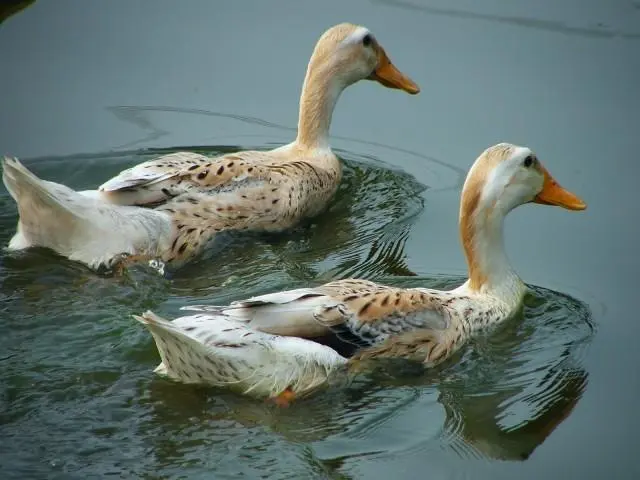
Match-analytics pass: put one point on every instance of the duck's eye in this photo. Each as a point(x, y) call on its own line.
point(528, 161)
point(366, 40)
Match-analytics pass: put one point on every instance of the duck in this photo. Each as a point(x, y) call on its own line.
point(266, 346)
point(168, 209)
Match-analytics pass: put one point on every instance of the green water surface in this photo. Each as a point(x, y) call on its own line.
point(91, 88)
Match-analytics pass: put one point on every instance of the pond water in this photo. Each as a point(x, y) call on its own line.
point(91, 88)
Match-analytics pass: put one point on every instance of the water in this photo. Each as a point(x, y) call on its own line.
point(550, 394)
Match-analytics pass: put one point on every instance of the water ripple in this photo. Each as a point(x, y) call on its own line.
point(597, 31)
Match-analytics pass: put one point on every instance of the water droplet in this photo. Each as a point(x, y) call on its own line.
point(157, 265)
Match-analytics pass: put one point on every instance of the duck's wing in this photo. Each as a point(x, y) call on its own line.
point(360, 312)
point(366, 313)
point(289, 312)
point(426, 345)
point(165, 177)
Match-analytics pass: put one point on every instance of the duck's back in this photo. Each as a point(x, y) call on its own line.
point(304, 182)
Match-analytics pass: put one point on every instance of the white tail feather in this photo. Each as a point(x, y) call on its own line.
point(79, 226)
point(213, 350)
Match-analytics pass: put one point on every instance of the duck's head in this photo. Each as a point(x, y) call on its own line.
point(348, 53)
point(505, 176)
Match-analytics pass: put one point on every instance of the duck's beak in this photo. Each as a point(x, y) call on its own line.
point(389, 76)
point(553, 194)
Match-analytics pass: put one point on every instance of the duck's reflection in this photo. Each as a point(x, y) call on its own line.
point(476, 417)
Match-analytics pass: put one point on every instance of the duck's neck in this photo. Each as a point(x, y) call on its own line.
point(489, 269)
point(320, 93)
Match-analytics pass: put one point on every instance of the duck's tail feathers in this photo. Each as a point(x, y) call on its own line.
point(216, 351)
point(78, 226)
point(21, 183)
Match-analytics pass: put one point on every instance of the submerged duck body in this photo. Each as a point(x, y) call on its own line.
point(421, 324)
point(194, 197)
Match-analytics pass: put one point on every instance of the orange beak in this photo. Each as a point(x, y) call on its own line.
point(553, 194)
point(389, 76)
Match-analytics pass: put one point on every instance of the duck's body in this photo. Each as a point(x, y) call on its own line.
point(195, 197)
point(230, 346)
point(258, 347)
point(416, 323)
point(253, 177)
point(366, 313)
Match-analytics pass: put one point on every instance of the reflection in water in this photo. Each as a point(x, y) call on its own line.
point(525, 381)
point(554, 26)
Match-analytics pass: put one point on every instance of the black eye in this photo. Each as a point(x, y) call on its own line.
point(528, 161)
point(366, 40)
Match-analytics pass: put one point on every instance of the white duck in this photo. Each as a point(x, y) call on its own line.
point(254, 345)
point(201, 196)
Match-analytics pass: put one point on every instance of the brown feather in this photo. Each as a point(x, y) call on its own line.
point(471, 194)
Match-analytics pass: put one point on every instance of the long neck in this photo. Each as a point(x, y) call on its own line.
point(483, 242)
point(320, 93)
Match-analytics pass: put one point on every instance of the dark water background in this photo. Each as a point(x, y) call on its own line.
point(89, 88)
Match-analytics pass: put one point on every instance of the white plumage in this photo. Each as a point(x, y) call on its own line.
point(80, 226)
point(213, 350)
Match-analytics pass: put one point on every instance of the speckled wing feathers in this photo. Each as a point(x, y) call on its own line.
point(153, 171)
point(277, 200)
point(360, 312)
point(171, 175)
point(427, 346)
point(373, 312)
